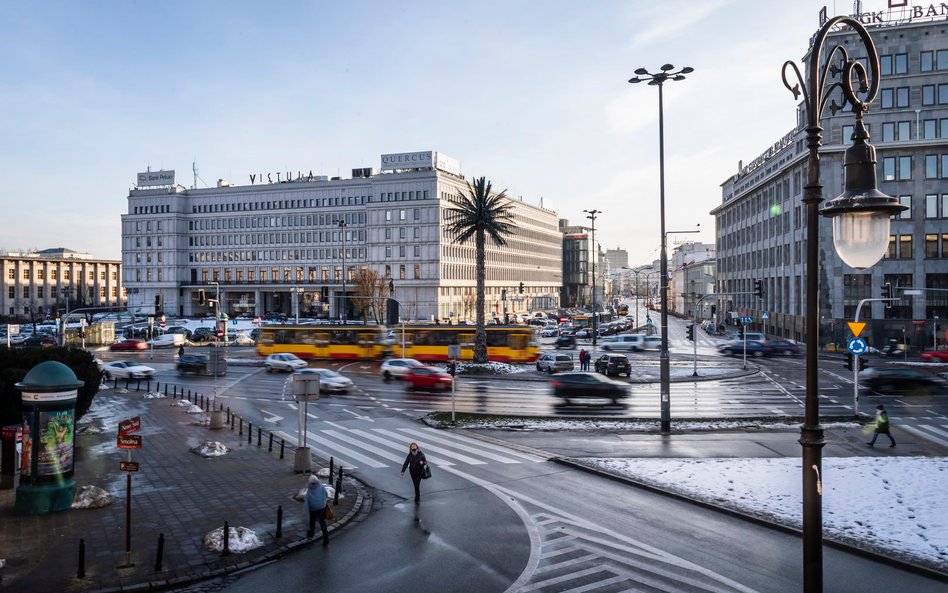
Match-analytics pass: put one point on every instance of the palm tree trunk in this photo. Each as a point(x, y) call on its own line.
point(480, 336)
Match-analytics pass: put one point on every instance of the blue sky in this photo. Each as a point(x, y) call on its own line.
point(531, 94)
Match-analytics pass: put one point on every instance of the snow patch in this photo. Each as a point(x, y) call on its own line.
point(154, 395)
point(91, 497)
point(239, 540)
point(301, 495)
point(211, 449)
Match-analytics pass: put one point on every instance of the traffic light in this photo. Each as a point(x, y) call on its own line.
point(503, 294)
point(759, 288)
point(862, 363)
point(202, 299)
point(740, 332)
point(521, 288)
point(849, 360)
point(691, 331)
point(887, 294)
point(157, 303)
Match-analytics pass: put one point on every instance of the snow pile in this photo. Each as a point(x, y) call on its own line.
point(211, 449)
point(154, 395)
point(489, 368)
point(323, 472)
point(122, 390)
point(201, 421)
point(892, 505)
point(301, 495)
point(189, 407)
point(91, 497)
point(239, 540)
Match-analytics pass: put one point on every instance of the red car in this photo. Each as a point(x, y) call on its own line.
point(935, 356)
point(130, 345)
point(425, 377)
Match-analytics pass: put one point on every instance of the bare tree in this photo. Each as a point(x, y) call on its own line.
point(371, 293)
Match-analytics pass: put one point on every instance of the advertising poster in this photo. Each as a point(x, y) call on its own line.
point(26, 452)
point(55, 443)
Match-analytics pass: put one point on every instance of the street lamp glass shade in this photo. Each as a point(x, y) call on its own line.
point(861, 238)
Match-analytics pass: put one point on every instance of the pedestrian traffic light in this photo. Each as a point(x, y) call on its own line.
point(691, 331)
point(863, 363)
point(759, 288)
point(202, 299)
point(740, 332)
point(157, 303)
point(887, 294)
point(849, 361)
point(503, 294)
point(521, 288)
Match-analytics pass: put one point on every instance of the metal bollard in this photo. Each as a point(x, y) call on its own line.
point(201, 401)
point(335, 499)
point(161, 552)
point(270, 445)
point(81, 573)
point(175, 392)
point(166, 390)
point(138, 385)
point(241, 433)
point(259, 435)
point(249, 432)
point(233, 417)
point(279, 532)
point(282, 443)
point(226, 551)
point(331, 472)
point(189, 395)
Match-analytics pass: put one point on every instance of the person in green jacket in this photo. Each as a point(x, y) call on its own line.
point(882, 426)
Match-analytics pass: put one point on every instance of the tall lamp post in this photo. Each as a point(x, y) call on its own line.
point(667, 72)
point(595, 251)
point(861, 216)
point(342, 232)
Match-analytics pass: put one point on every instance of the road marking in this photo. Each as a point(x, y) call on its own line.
point(272, 418)
point(362, 445)
point(923, 434)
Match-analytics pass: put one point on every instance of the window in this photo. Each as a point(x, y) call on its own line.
point(931, 246)
point(888, 132)
point(943, 94)
point(931, 206)
point(905, 168)
point(417, 250)
point(907, 202)
point(905, 133)
point(847, 134)
point(902, 96)
point(388, 215)
point(26, 292)
point(39, 292)
point(401, 215)
point(855, 288)
point(888, 168)
point(901, 63)
point(888, 98)
point(931, 166)
point(11, 274)
point(885, 63)
point(929, 129)
point(388, 251)
point(927, 61)
point(905, 246)
point(941, 59)
point(401, 272)
point(41, 274)
point(928, 94)
point(11, 292)
point(26, 274)
point(417, 271)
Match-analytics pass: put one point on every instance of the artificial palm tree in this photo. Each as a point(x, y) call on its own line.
point(481, 215)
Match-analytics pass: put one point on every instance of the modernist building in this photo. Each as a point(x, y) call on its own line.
point(579, 259)
point(761, 220)
point(615, 259)
point(291, 241)
point(692, 278)
point(40, 284)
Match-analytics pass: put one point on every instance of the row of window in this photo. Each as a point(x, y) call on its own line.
point(53, 292)
point(159, 209)
point(54, 275)
point(253, 222)
point(356, 253)
point(298, 274)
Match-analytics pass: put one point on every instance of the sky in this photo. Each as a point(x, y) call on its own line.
point(532, 94)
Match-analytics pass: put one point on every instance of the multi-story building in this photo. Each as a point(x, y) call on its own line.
point(761, 220)
point(41, 284)
point(692, 277)
point(580, 258)
point(614, 260)
point(291, 241)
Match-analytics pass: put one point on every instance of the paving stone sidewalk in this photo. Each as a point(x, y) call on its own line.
point(177, 493)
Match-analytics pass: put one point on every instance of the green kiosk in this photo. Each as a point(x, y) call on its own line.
point(47, 461)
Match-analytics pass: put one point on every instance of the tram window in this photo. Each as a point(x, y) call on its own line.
point(497, 338)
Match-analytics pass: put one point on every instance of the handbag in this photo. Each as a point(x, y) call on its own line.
point(329, 514)
point(427, 473)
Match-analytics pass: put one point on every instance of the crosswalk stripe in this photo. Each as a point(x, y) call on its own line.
point(362, 445)
point(436, 449)
point(921, 433)
point(457, 444)
point(505, 450)
point(397, 445)
point(347, 451)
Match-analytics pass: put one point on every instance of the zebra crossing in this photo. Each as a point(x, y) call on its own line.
point(367, 445)
point(936, 433)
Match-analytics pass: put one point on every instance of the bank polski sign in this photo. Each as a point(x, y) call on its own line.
point(155, 178)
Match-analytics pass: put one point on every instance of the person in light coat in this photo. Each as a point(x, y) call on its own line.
point(882, 426)
point(317, 498)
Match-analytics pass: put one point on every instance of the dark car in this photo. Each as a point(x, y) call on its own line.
point(901, 381)
point(780, 348)
point(38, 342)
point(193, 363)
point(613, 364)
point(573, 386)
point(754, 348)
point(565, 341)
point(203, 334)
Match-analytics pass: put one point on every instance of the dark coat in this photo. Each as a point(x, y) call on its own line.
point(415, 463)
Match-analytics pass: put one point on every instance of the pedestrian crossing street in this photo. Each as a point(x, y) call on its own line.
point(364, 445)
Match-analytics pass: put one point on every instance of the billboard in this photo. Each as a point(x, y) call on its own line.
point(155, 178)
point(420, 160)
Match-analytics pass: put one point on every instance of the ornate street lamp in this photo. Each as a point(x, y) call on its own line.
point(860, 228)
point(658, 79)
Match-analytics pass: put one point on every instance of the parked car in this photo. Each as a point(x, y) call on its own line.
point(573, 386)
point(901, 381)
point(179, 329)
point(427, 377)
point(754, 348)
point(284, 361)
point(132, 344)
point(397, 367)
point(613, 364)
point(127, 369)
point(203, 334)
point(553, 363)
point(193, 363)
point(168, 341)
point(781, 347)
point(329, 380)
point(37, 342)
point(935, 356)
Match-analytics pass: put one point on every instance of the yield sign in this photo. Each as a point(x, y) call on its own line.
point(856, 327)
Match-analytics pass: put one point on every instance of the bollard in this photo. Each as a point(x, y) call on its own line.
point(127, 383)
point(81, 573)
point(282, 443)
point(259, 435)
point(232, 418)
point(166, 390)
point(201, 401)
point(335, 499)
point(138, 385)
point(226, 551)
point(189, 395)
point(249, 432)
point(157, 386)
point(161, 552)
point(175, 392)
point(279, 532)
point(148, 386)
point(241, 433)
point(331, 472)
point(270, 446)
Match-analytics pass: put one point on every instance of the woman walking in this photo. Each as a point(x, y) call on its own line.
point(316, 500)
point(415, 463)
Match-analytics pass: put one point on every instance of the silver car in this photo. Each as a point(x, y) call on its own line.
point(284, 361)
point(329, 380)
point(554, 363)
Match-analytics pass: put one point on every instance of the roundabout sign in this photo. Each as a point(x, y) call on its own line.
point(857, 346)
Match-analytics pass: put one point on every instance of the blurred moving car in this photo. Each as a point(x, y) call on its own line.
point(426, 377)
point(329, 380)
point(652, 343)
point(627, 342)
point(130, 344)
point(397, 367)
point(172, 340)
point(37, 342)
point(549, 332)
point(613, 364)
point(902, 381)
point(573, 386)
point(553, 363)
point(781, 347)
point(127, 369)
point(193, 363)
point(565, 340)
point(935, 356)
point(754, 348)
point(284, 361)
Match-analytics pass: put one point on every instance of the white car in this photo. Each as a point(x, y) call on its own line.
point(329, 380)
point(397, 367)
point(127, 369)
point(284, 361)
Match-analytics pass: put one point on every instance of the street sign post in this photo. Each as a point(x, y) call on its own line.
point(126, 440)
point(128, 466)
point(130, 425)
point(129, 441)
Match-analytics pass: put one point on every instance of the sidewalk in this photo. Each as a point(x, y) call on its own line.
point(177, 493)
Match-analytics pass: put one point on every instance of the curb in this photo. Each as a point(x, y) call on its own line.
point(841, 545)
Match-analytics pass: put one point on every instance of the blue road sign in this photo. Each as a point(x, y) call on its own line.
point(764, 315)
point(747, 320)
point(857, 346)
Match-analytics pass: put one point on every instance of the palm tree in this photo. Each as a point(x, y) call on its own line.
point(481, 214)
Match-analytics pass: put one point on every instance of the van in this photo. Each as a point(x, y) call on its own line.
point(623, 342)
point(168, 341)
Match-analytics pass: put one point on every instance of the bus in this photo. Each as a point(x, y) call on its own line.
point(623, 309)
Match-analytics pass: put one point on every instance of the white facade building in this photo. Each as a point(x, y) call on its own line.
point(278, 245)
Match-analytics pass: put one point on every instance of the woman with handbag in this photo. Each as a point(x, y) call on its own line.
point(317, 504)
point(417, 467)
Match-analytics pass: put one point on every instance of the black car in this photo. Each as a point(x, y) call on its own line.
point(901, 381)
point(573, 386)
point(193, 363)
point(39, 342)
point(565, 341)
point(613, 364)
point(203, 334)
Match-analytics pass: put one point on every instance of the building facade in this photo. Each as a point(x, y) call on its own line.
point(692, 277)
point(291, 242)
point(615, 260)
point(760, 230)
point(44, 283)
